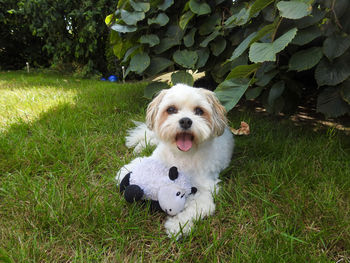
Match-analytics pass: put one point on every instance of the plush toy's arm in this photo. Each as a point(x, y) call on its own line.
point(132, 192)
point(124, 183)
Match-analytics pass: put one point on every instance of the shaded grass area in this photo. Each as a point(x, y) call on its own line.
point(284, 198)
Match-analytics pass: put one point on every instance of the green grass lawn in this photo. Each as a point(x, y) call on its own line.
point(285, 197)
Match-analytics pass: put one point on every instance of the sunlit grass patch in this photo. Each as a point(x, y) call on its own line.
point(18, 104)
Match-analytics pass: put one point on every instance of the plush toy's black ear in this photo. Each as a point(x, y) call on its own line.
point(193, 190)
point(173, 173)
point(124, 183)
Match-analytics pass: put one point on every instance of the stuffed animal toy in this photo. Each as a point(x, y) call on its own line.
point(152, 180)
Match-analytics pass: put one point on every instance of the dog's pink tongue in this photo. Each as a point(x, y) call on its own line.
point(184, 142)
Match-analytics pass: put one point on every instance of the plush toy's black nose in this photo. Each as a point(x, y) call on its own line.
point(185, 123)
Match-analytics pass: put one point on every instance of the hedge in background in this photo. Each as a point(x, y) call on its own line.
point(70, 32)
point(17, 43)
point(275, 51)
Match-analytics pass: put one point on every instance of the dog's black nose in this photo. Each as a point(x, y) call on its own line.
point(185, 123)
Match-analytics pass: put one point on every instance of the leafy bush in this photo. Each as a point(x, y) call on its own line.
point(72, 33)
point(17, 44)
point(275, 51)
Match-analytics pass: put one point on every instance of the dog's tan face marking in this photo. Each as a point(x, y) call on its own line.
point(200, 106)
point(204, 114)
point(164, 115)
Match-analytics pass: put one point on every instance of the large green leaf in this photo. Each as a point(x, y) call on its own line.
point(345, 91)
point(332, 73)
point(151, 40)
point(123, 29)
point(335, 46)
point(305, 59)
point(185, 58)
point(185, 18)
point(121, 4)
point(199, 7)
point(121, 47)
point(280, 43)
point(189, 38)
point(174, 35)
point(269, 13)
point(306, 35)
point(266, 78)
point(220, 70)
point(139, 62)
point(253, 93)
point(331, 103)
point(161, 19)
point(165, 44)
point(238, 19)
point(218, 46)
point(340, 7)
point(293, 9)
point(182, 77)
point(157, 65)
point(175, 32)
point(260, 52)
point(166, 4)
point(275, 92)
point(231, 91)
point(140, 6)
point(265, 74)
point(130, 52)
point(258, 5)
point(263, 32)
point(153, 88)
point(242, 47)
point(242, 71)
point(203, 55)
point(311, 19)
point(209, 38)
point(131, 18)
point(208, 26)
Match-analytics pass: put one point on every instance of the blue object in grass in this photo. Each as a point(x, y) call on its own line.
point(113, 78)
point(103, 79)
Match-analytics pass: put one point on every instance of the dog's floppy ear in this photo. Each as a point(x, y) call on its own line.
point(152, 109)
point(219, 120)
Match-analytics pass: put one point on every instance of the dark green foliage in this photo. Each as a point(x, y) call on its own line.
point(17, 44)
point(272, 50)
point(71, 34)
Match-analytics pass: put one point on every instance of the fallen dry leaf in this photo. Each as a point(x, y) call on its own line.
point(243, 130)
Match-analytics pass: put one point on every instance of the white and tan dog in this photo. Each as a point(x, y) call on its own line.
point(189, 127)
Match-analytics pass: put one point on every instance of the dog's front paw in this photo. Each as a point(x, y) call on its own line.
point(176, 228)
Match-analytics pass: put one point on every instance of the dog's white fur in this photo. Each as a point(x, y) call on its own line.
point(211, 151)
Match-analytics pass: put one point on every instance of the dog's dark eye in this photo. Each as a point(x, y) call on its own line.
point(171, 110)
point(198, 111)
point(170, 210)
point(178, 193)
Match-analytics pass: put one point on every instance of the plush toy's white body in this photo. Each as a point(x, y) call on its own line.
point(152, 174)
point(154, 178)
